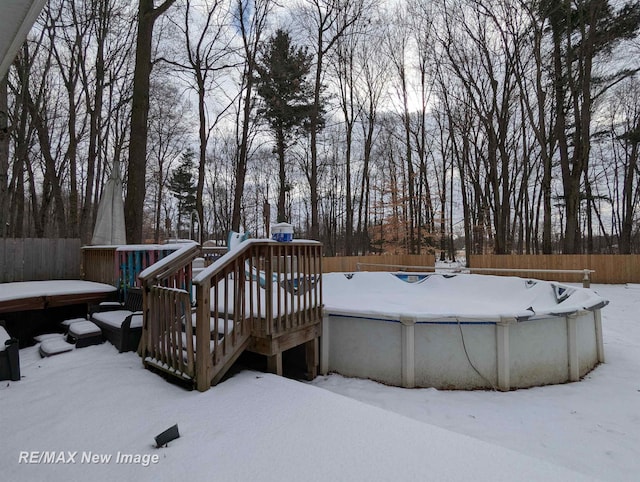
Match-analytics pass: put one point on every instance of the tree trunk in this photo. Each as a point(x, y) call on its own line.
point(95, 115)
point(72, 151)
point(629, 196)
point(241, 167)
point(21, 135)
point(51, 178)
point(134, 201)
point(202, 155)
point(4, 158)
point(282, 176)
point(314, 125)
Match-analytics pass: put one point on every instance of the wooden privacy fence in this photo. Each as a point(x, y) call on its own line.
point(37, 259)
point(348, 264)
point(607, 268)
point(99, 264)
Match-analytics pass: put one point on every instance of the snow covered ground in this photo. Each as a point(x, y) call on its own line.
point(94, 402)
point(592, 426)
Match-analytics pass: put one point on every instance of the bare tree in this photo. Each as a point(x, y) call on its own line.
point(346, 73)
point(421, 23)
point(251, 16)
point(4, 157)
point(478, 52)
point(69, 48)
point(326, 21)
point(168, 131)
point(148, 13)
point(370, 95)
point(617, 160)
point(112, 37)
point(207, 55)
point(398, 49)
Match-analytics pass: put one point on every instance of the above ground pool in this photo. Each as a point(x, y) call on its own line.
point(459, 331)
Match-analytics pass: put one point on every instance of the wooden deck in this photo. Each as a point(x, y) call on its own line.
point(40, 295)
point(264, 297)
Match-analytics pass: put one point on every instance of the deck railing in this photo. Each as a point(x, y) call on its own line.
point(120, 265)
point(261, 290)
point(167, 334)
point(131, 260)
point(169, 337)
point(100, 264)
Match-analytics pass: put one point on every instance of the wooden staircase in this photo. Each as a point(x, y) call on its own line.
point(264, 296)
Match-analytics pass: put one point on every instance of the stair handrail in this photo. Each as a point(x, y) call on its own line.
point(205, 369)
point(245, 302)
point(231, 256)
point(259, 289)
point(161, 273)
point(169, 264)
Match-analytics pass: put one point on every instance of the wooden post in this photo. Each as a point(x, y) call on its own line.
point(274, 363)
point(268, 294)
point(203, 351)
point(142, 346)
point(312, 358)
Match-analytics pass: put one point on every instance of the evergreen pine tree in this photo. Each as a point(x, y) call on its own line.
point(281, 82)
point(182, 186)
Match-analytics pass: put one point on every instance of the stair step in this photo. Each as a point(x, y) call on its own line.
point(212, 324)
point(212, 343)
point(160, 365)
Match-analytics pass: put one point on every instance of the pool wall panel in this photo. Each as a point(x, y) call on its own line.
point(440, 359)
point(378, 359)
point(587, 343)
point(538, 352)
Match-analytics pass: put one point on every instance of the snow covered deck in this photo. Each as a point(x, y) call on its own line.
point(249, 313)
point(39, 295)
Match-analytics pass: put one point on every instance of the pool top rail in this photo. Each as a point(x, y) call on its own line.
point(584, 273)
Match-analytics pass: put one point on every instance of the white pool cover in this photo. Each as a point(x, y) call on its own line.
point(459, 331)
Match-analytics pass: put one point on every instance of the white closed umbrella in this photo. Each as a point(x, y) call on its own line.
point(109, 228)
